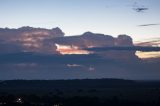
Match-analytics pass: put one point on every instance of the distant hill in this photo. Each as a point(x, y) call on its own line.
point(65, 84)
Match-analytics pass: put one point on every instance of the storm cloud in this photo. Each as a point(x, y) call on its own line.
point(31, 53)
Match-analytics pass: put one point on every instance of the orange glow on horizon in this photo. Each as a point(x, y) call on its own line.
point(144, 55)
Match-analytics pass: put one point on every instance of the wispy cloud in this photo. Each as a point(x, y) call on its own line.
point(155, 42)
point(142, 9)
point(148, 25)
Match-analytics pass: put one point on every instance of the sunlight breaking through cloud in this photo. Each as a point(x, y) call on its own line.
point(70, 49)
point(144, 55)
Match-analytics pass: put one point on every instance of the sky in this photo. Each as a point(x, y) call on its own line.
point(74, 17)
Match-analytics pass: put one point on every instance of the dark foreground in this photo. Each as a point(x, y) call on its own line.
point(95, 92)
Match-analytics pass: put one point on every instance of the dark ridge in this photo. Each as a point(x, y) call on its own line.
point(75, 83)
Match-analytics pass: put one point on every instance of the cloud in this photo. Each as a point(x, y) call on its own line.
point(142, 9)
point(139, 8)
point(149, 42)
point(143, 25)
point(134, 48)
point(113, 57)
point(34, 66)
point(29, 39)
point(28, 57)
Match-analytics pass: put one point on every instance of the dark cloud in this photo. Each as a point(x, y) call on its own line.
point(38, 66)
point(143, 25)
point(139, 8)
point(44, 41)
point(25, 55)
point(28, 39)
point(29, 57)
point(133, 48)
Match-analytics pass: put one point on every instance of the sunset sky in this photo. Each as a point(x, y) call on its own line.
point(74, 17)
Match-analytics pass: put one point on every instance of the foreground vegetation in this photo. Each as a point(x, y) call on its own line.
point(95, 92)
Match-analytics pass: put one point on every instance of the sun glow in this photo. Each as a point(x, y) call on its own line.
point(144, 55)
point(70, 49)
